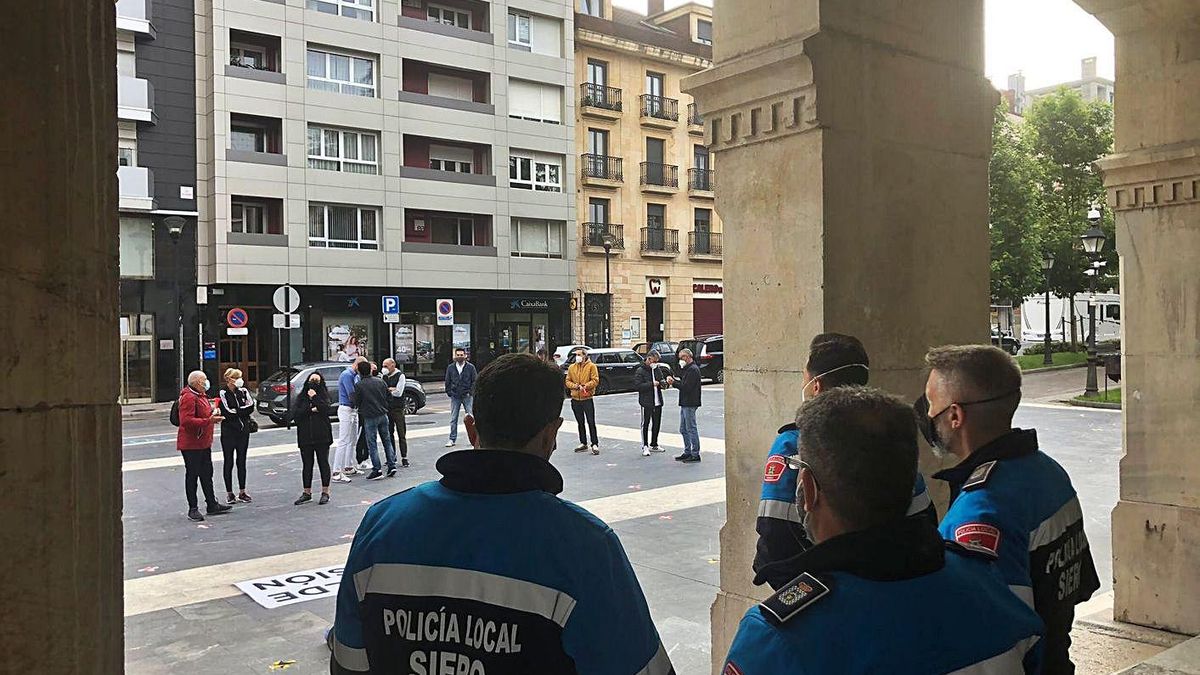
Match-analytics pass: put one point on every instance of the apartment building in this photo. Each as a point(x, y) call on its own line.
point(357, 149)
point(156, 176)
point(650, 238)
point(1090, 86)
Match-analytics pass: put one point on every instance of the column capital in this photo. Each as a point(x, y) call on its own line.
point(1153, 177)
point(1128, 16)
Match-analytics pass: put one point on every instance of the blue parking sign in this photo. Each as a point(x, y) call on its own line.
point(391, 308)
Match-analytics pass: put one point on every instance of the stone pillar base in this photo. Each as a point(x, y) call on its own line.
point(726, 614)
point(1156, 565)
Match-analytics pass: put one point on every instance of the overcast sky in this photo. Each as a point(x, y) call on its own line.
point(1046, 39)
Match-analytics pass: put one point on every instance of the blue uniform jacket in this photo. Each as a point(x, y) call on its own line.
point(1013, 499)
point(487, 571)
point(893, 599)
point(780, 536)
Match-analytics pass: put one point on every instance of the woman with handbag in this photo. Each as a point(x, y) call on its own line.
point(314, 434)
point(237, 406)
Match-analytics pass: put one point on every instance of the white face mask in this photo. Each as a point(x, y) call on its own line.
point(239, 383)
point(384, 372)
point(804, 389)
point(204, 385)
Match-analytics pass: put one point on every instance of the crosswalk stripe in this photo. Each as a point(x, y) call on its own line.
point(214, 582)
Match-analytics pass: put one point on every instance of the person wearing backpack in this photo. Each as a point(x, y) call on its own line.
point(194, 441)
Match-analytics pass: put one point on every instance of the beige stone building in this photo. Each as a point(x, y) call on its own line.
point(646, 178)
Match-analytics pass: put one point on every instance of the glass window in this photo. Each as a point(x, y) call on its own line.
point(248, 57)
point(341, 73)
point(450, 17)
point(125, 157)
point(704, 32)
point(533, 238)
point(597, 210)
point(459, 231)
point(656, 216)
point(252, 218)
point(592, 7)
point(354, 9)
point(598, 142)
point(529, 173)
point(136, 249)
point(703, 220)
point(248, 138)
point(343, 226)
point(518, 31)
point(630, 357)
point(351, 151)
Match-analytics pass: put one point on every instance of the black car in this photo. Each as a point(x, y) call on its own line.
point(667, 352)
point(617, 368)
point(709, 353)
point(276, 393)
point(1006, 342)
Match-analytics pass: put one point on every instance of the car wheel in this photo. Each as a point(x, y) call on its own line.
point(720, 378)
point(604, 387)
point(410, 404)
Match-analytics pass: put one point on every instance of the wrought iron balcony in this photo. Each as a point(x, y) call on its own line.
point(660, 175)
point(602, 167)
point(701, 180)
point(594, 235)
point(599, 96)
point(660, 241)
point(693, 116)
point(659, 108)
point(704, 244)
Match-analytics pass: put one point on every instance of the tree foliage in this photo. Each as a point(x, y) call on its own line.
point(1015, 213)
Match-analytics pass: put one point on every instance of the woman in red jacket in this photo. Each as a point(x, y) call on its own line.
point(194, 441)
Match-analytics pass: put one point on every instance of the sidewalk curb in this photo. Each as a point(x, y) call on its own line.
point(1093, 404)
point(1051, 369)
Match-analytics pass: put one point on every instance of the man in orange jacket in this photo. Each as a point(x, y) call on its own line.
point(582, 378)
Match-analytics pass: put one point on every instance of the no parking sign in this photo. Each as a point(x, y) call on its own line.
point(445, 312)
point(238, 321)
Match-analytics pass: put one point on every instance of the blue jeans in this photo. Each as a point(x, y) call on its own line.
point(689, 431)
point(455, 405)
point(376, 429)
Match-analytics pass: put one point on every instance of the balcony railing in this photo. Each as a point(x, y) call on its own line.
point(659, 107)
point(701, 180)
point(661, 175)
point(599, 96)
point(135, 99)
point(595, 233)
point(659, 240)
point(704, 243)
point(693, 116)
point(603, 167)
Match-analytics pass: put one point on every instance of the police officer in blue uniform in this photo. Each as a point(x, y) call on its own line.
point(834, 360)
point(487, 571)
point(879, 592)
point(1007, 496)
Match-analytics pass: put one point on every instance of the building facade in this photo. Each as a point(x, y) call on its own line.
point(156, 175)
point(357, 149)
point(1089, 85)
point(649, 236)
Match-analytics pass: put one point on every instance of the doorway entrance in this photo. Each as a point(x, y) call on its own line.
point(241, 352)
point(593, 320)
point(137, 368)
point(654, 319)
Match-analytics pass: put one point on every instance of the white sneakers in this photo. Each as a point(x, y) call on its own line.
point(339, 478)
point(645, 451)
point(449, 444)
point(595, 449)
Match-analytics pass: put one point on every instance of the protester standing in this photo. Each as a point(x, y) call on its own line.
point(460, 387)
point(236, 407)
point(688, 385)
point(371, 396)
point(394, 378)
point(649, 383)
point(582, 379)
point(194, 441)
point(314, 434)
point(343, 459)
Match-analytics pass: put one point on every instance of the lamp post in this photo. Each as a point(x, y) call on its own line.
point(1093, 243)
point(1047, 265)
point(608, 244)
point(175, 229)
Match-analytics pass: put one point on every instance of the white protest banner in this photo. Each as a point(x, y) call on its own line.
point(292, 587)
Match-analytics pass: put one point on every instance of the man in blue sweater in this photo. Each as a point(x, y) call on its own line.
point(343, 457)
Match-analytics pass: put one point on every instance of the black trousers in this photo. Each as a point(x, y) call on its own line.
point(585, 411)
point(651, 421)
point(197, 465)
point(398, 430)
point(234, 443)
point(319, 453)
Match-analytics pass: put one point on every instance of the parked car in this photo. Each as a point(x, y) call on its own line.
point(1006, 342)
point(276, 393)
point(617, 367)
point(709, 352)
point(668, 352)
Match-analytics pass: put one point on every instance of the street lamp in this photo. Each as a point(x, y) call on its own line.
point(1093, 243)
point(1047, 265)
point(175, 229)
point(607, 239)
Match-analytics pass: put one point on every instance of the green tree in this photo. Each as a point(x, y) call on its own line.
point(1015, 213)
point(1067, 135)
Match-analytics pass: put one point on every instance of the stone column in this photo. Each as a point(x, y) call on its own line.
point(60, 449)
point(853, 140)
point(1153, 184)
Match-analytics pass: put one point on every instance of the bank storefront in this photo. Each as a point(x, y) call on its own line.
point(339, 325)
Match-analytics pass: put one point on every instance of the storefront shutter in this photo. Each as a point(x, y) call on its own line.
point(707, 318)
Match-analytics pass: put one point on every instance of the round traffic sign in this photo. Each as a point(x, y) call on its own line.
point(444, 308)
point(287, 299)
point(237, 318)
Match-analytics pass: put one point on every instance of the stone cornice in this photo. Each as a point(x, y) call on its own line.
point(1153, 177)
point(593, 38)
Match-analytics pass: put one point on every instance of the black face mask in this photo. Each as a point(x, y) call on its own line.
point(925, 422)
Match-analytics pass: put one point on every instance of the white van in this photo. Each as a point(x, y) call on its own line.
point(1033, 318)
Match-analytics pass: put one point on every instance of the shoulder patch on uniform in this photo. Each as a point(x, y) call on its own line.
point(776, 465)
point(971, 550)
point(980, 475)
point(978, 535)
point(731, 669)
point(800, 592)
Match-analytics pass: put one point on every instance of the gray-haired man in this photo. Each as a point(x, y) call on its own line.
point(688, 385)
